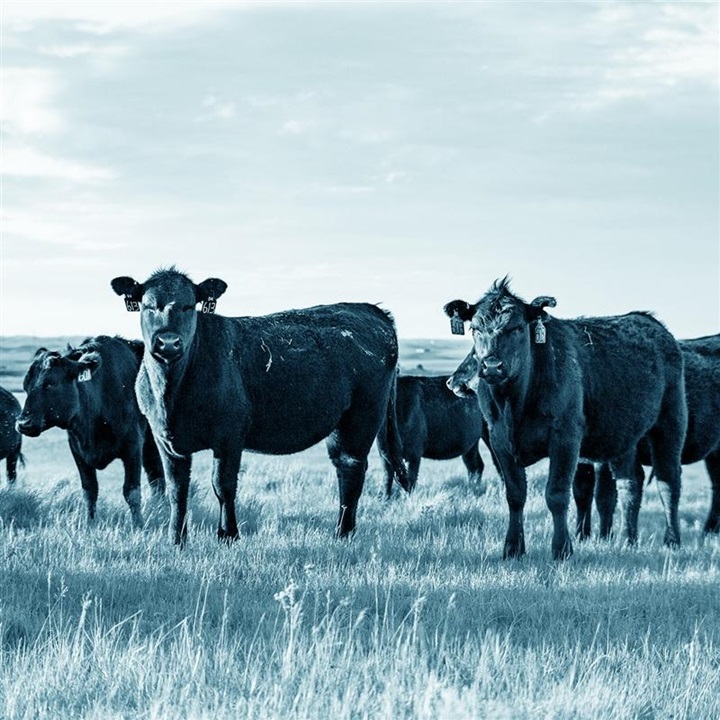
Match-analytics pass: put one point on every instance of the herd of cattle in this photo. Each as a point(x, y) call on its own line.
point(601, 397)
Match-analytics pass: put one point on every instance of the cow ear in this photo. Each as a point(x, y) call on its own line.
point(39, 352)
point(210, 289)
point(537, 307)
point(84, 368)
point(128, 287)
point(459, 308)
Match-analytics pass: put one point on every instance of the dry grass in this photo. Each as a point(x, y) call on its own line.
point(416, 617)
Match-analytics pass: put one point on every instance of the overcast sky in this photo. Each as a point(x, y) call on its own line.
point(399, 153)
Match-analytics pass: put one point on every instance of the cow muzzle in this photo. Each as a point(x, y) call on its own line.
point(167, 347)
point(461, 388)
point(492, 369)
point(26, 426)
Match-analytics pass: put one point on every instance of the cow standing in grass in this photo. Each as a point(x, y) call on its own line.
point(10, 438)
point(89, 391)
point(565, 389)
point(437, 424)
point(702, 442)
point(274, 384)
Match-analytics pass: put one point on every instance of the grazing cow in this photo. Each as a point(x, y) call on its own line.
point(10, 438)
point(565, 389)
point(702, 441)
point(435, 423)
point(274, 384)
point(88, 391)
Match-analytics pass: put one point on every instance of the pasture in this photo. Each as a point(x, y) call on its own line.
point(416, 617)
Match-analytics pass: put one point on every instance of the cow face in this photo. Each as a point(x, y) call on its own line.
point(503, 328)
point(464, 381)
point(51, 384)
point(167, 303)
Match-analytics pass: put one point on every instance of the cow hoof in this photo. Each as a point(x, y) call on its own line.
point(563, 552)
point(672, 540)
point(516, 550)
point(227, 536)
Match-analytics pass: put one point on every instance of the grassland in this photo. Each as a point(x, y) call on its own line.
point(415, 617)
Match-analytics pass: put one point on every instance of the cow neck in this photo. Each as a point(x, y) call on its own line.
point(509, 401)
point(90, 408)
point(158, 386)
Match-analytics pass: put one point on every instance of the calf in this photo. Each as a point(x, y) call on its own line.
point(274, 384)
point(10, 438)
point(565, 389)
point(88, 391)
point(702, 442)
point(437, 424)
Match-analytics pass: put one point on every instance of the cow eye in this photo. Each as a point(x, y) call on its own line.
point(49, 384)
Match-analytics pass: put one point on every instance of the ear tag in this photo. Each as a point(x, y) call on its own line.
point(131, 305)
point(85, 375)
point(540, 332)
point(208, 306)
point(457, 326)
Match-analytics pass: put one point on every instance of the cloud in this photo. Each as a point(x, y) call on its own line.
point(27, 101)
point(667, 45)
point(101, 18)
point(26, 162)
point(218, 109)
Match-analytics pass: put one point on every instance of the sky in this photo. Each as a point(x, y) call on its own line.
point(401, 153)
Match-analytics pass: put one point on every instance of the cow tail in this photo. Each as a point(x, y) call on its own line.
point(393, 449)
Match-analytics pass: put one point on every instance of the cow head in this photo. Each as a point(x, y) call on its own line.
point(167, 301)
point(51, 384)
point(464, 381)
point(504, 327)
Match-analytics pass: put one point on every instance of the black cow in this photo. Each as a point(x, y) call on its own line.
point(564, 389)
point(88, 391)
point(274, 384)
point(10, 438)
point(702, 441)
point(437, 424)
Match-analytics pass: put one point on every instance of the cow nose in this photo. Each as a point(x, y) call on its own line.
point(168, 345)
point(26, 426)
point(492, 365)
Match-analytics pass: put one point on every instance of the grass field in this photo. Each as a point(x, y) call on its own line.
point(415, 617)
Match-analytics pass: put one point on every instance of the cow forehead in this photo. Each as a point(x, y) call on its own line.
point(494, 312)
point(170, 288)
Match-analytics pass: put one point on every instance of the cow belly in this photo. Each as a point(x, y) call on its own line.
point(290, 440)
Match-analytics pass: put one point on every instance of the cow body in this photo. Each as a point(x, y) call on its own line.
point(702, 439)
point(565, 389)
point(435, 423)
point(89, 391)
point(10, 438)
point(275, 384)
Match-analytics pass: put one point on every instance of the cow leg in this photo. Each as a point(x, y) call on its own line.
point(153, 464)
point(630, 478)
point(475, 466)
point(177, 477)
point(224, 481)
point(712, 463)
point(513, 475)
point(605, 499)
point(88, 480)
point(11, 466)
point(413, 464)
point(563, 465)
point(131, 487)
point(583, 486)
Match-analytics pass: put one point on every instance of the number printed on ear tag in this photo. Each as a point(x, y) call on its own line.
point(208, 306)
point(132, 305)
point(457, 326)
point(85, 375)
point(540, 332)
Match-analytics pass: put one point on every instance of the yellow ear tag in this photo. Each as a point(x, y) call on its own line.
point(85, 375)
point(540, 332)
